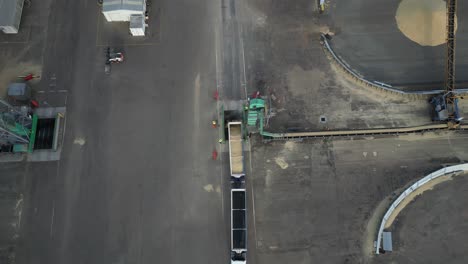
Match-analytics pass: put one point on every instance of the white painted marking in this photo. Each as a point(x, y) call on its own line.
point(217, 59)
point(208, 188)
point(160, 25)
point(364, 154)
point(243, 59)
point(218, 86)
point(374, 153)
point(222, 184)
point(252, 194)
point(52, 220)
point(64, 124)
point(40, 92)
point(216, 63)
point(196, 105)
point(19, 209)
point(79, 141)
point(281, 162)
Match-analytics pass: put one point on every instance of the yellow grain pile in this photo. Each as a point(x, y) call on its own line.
point(423, 21)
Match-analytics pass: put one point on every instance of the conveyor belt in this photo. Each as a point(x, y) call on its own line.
point(378, 131)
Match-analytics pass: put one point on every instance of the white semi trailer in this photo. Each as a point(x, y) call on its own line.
point(236, 156)
point(238, 227)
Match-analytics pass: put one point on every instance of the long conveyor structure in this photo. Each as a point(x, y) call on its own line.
point(450, 96)
point(363, 132)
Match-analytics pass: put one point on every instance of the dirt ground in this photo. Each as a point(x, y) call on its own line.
point(285, 61)
point(314, 200)
point(368, 37)
point(433, 227)
point(427, 187)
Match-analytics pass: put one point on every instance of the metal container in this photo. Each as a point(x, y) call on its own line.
point(19, 91)
point(137, 25)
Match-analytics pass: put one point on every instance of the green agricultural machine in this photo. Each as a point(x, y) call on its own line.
point(256, 112)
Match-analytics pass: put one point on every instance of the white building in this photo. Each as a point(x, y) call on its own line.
point(137, 25)
point(10, 15)
point(121, 10)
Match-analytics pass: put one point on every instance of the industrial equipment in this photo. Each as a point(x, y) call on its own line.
point(137, 25)
point(19, 92)
point(17, 127)
point(445, 106)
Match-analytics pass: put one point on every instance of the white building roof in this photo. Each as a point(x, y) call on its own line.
point(131, 5)
point(10, 12)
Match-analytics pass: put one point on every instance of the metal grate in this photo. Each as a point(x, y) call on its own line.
point(45, 133)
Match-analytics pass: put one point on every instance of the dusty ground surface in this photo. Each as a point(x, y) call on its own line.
point(285, 61)
point(19, 55)
point(314, 199)
point(433, 228)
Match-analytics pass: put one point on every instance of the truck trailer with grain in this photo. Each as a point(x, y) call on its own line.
point(236, 156)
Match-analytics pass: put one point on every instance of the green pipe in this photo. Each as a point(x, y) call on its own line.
point(267, 134)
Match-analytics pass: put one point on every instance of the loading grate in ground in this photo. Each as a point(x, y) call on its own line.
point(45, 133)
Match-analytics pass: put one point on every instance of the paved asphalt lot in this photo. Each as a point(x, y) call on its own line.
point(368, 39)
point(136, 183)
point(140, 185)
